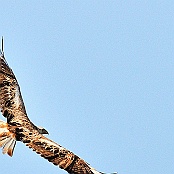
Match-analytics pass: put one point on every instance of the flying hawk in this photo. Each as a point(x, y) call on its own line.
point(20, 128)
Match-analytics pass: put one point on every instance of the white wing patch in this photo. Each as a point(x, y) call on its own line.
point(17, 100)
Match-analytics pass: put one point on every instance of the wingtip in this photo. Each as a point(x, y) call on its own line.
point(96, 172)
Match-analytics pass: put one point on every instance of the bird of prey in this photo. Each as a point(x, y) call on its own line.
point(19, 127)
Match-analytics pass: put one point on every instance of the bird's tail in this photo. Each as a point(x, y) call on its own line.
point(7, 139)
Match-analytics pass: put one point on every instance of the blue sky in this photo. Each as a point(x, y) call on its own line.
point(99, 76)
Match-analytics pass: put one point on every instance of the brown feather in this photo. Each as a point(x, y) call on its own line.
point(58, 155)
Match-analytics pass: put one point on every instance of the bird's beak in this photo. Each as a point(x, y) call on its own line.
point(44, 131)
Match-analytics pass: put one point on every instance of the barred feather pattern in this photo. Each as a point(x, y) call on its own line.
point(11, 102)
point(60, 156)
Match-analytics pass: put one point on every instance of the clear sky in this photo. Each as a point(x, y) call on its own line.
point(99, 76)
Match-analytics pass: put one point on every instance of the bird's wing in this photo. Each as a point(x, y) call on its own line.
point(12, 107)
point(58, 155)
point(21, 128)
point(11, 103)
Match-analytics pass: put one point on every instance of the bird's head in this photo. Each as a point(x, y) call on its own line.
point(42, 130)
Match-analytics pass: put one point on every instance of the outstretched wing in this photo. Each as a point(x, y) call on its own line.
point(11, 103)
point(59, 156)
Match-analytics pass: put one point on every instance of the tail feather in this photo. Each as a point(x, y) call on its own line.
point(4, 141)
point(11, 148)
point(7, 139)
